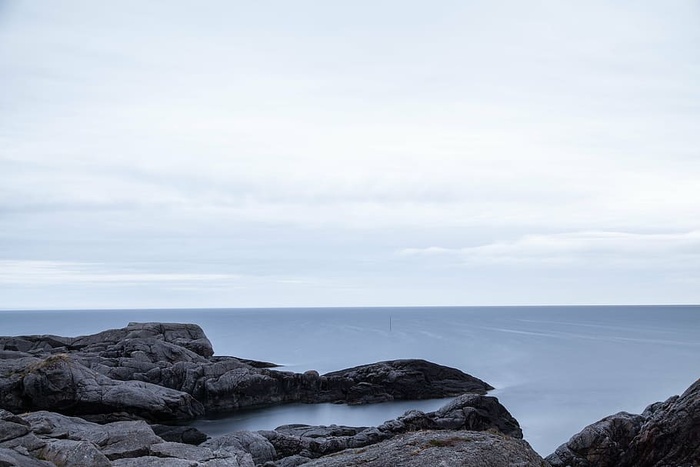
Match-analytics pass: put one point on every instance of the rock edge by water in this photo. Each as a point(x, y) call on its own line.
point(164, 372)
point(101, 400)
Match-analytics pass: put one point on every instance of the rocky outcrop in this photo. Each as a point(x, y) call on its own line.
point(155, 372)
point(469, 412)
point(406, 379)
point(49, 439)
point(665, 434)
point(167, 372)
point(437, 448)
point(469, 428)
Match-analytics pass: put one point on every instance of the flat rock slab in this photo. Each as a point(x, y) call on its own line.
point(438, 448)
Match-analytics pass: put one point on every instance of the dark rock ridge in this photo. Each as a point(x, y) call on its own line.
point(472, 430)
point(470, 412)
point(665, 434)
point(167, 372)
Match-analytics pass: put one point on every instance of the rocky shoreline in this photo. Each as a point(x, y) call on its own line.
point(120, 398)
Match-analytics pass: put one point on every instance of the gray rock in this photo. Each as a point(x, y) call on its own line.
point(12, 458)
point(406, 379)
point(438, 448)
point(666, 434)
point(180, 434)
point(115, 440)
point(15, 434)
point(12, 426)
point(468, 412)
point(116, 367)
point(153, 461)
point(69, 453)
point(257, 445)
point(167, 372)
point(50, 384)
point(203, 455)
point(183, 451)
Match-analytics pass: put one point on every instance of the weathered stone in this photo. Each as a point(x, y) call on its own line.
point(469, 412)
point(254, 443)
point(666, 434)
point(12, 458)
point(115, 440)
point(167, 372)
point(180, 434)
point(153, 461)
point(60, 383)
point(12, 426)
point(438, 448)
point(69, 453)
point(406, 379)
point(116, 366)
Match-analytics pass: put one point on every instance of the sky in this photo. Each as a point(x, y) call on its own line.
point(368, 153)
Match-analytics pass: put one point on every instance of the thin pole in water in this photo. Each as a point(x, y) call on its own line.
point(389, 323)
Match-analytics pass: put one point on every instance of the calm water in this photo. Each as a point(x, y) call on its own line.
point(556, 369)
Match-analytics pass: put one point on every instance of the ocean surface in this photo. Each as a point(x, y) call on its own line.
point(555, 368)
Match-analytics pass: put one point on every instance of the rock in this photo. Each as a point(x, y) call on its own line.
point(406, 379)
point(51, 384)
point(69, 453)
point(12, 458)
point(477, 413)
point(182, 451)
point(15, 434)
point(118, 369)
point(666, 434)
point(257, 445)
point(601, 444)
point(115, 440)
point(166, 372)
point(12, 426)
point(438, 448)
point(471, 412)
point(180, 434)
point(154, 461)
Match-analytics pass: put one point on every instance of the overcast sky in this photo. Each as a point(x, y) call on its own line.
point(315, 153)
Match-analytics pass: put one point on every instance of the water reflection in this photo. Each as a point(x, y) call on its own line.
point(314, 414)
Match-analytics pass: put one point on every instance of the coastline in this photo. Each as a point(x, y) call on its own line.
point(103, 378)
point(605, 353)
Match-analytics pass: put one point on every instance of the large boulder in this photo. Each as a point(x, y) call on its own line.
point(58, 382)
point(405, 379)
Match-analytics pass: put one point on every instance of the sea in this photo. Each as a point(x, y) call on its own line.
point(556, 368)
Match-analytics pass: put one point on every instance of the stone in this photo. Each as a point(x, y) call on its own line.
point(665, 434)
point(50, 384)
point(257, 445)
point(12, 426)
point(438, 448)
point(12, 458)
point(70, 453)
point(406, 379)
point(470, 412)
point(115, 440)
point(180, 434)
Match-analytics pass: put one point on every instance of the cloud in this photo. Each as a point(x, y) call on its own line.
point(590, 247)
point(43, 273)
point(310, 140)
